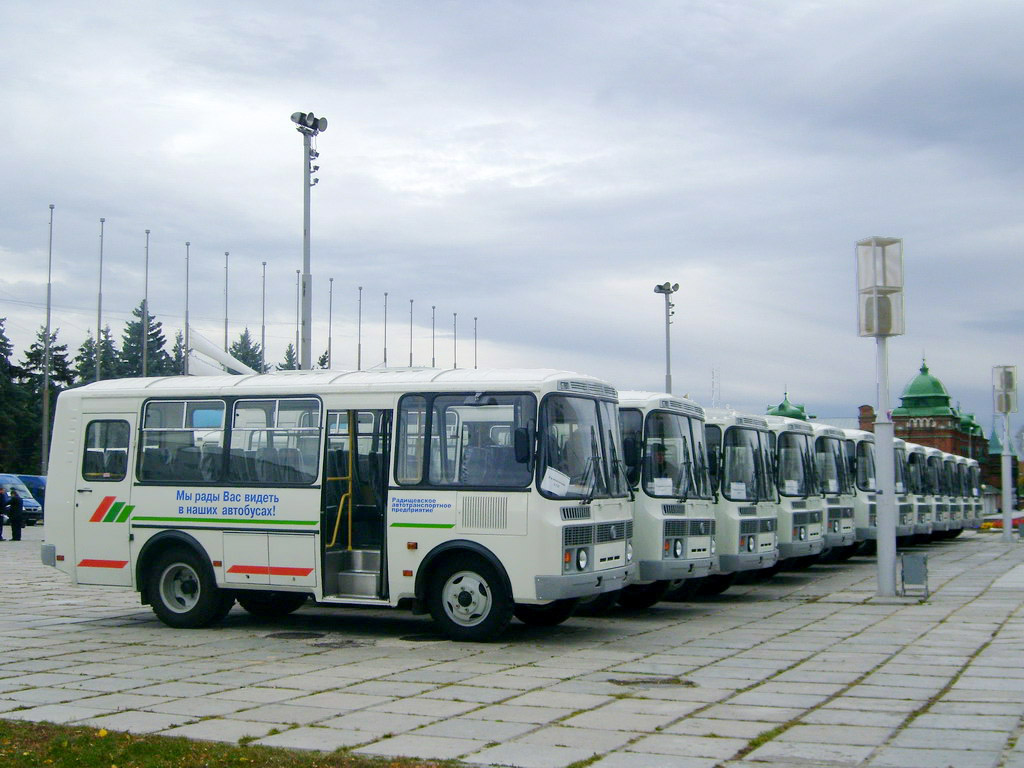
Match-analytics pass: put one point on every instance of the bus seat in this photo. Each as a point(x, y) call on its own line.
point(475, 466)
point(115, 462)
point(186, 464)
point(267, 468)
point(93, 464)
point(154, 463)
point(290, 460)
point(238, 467)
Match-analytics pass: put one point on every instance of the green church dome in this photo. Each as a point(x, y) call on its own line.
point(925, 395)
point(786, 408)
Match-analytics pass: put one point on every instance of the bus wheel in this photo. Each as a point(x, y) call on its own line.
point(717, 584)
point(271, 605)
point(637, 597)
point(549, 615)
point(598, 605)
point(684, 590)
point(468, 600)
point(183, 591)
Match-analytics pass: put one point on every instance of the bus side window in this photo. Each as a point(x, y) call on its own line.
point(106, 451)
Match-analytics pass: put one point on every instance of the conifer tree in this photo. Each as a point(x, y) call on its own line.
point(158, 362)
point(290, 363)
point(322, 360)
point(178, 353)
point(13, 417)
point(247, 350)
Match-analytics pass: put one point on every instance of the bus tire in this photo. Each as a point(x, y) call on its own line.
point(637, 597)
point(183, 591)
point(467, 599)
point(549, 615)
point(684, 591)
point(716, 584)
point(598, 605)
point(270, 605)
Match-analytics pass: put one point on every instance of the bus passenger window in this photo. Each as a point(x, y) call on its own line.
point(106, 451)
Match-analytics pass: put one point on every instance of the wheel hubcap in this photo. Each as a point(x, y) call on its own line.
point(467, 598)
point(179, 587)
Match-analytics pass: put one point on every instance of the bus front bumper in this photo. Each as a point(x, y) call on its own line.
point(922, 528)
point(846, 539)
point(584, 584)
point(747, 561)
point(790, 549)
point(670, 570)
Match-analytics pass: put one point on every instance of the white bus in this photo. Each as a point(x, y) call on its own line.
point(953, 494)
point(837, 484)
point(919, 490)
point(746, 506)
point(935, 478)
point(860, 461)
point(667, 465)
point(801, 507)
point(974, 486)
point(473, 495)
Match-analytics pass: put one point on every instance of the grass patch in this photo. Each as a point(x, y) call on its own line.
point(43, 745)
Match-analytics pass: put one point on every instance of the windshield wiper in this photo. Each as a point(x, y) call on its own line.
point(617, 465)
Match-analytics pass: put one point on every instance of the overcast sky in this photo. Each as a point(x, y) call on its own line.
point(538, 165)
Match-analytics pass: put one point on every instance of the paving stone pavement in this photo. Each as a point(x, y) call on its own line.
point(808, 669)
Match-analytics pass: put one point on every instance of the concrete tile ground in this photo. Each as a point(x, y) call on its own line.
point(804, 669)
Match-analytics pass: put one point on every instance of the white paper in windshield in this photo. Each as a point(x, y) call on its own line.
point(556, 483)
point(871, 483)
point(663, 486)
point(792, 487)
point(899, 488)
point(833, 486)
point(738, 490)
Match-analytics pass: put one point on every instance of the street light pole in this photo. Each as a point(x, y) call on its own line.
point(188, 246)
point(433, 359)
point(1004, 380)
point(298, 321)
point(309, 125)
point(145, 313)
point(99, 308)
point(44, 451)
point(668, 289)
point(474, 342)
point(330, 318)
point(263, 323)
point(410, 333)
point(385, 329)
point(455, 339)
point(359, 331)
point(880, 314)
point(225, 301)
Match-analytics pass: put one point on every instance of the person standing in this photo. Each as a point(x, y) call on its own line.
point(14, 508)
point(3, 510)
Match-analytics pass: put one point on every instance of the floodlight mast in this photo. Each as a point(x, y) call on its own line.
point(309, 125)
point(668, 289)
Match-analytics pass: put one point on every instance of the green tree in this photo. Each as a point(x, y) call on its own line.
point(85, 360)
point(32, 366)
point(321, 361)
point(178, 353)
point(290, 363)
point(158, 362)
point(247, 351)
point(32, 376)
point(13, 421)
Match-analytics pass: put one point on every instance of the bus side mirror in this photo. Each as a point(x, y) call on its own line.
point(632, 452)
point(521, 444)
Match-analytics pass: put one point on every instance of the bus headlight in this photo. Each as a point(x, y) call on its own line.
point(835, 526)
point(581, 559)
point(803, 533)
point(750, 543)
point(629, 552)
point(677, 548)
point(713, 547)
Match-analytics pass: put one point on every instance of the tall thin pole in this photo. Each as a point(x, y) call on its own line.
point(145, 313)
point(225, 301)
point(474, 342)
point(885, 465)
point(263, 323)
point(188, 340)
point(385, 329)
point(44, 450)
point(1006, 477)
point(359, 332)
point(668, 345)
point(330, 318)
point(307, 279)
point(410, 333)
point(455, 339)
point(99, 308)
point(433, 358)
point(298, 321)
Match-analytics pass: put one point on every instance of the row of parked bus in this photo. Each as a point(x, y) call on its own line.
point(473, 495)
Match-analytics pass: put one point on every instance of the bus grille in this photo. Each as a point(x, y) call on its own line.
point(680, 528)
point(749, 526)
point(799, 505)
point(576, 513)
point(747, 510)
point(577, 535)
point(673, 509)
point(613, 531)
point(767, 524)
point(806, 518)
point(485, 512)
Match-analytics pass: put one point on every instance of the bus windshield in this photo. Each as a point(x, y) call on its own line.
point(915, 479)
point(795, 471)
point(674, 462)
point(581, 451)
point(866, 466)
point(831, 464)
point(933, 476)
point(744, 465)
